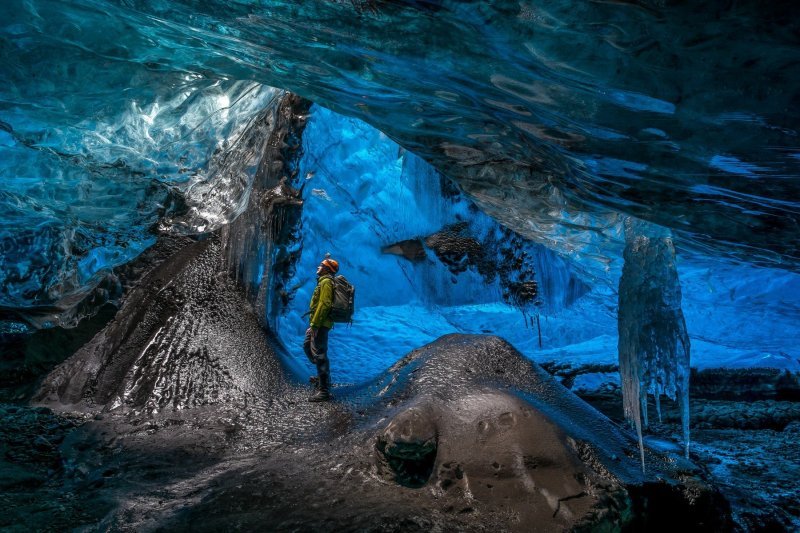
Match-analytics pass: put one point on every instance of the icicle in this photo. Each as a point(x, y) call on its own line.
point(682, 386)
point(643, 408)
point(657, 395)
point(539, 328)
point(629, 371)
point(653, 343)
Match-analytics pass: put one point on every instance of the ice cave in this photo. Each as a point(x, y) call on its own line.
point(573, 230)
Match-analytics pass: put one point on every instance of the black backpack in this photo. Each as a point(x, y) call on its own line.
point(343, 300)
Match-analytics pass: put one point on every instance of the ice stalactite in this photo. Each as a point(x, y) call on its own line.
point(653, 341)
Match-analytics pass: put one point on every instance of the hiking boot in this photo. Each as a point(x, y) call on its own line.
point(321, 395)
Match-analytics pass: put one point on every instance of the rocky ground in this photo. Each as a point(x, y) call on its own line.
point(60, 471)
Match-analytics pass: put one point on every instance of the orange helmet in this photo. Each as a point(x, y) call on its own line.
point(331, 264)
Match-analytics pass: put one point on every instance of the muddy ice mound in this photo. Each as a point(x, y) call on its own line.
point(183, 338)
point(470, 417)
point(463, 434)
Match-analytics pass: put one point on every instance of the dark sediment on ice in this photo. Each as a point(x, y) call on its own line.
point(751, 398)
point(757, 470)
point(196, 421)
point(746, 384)
point(173, 345)
point(502, 258)
point(27, 357)
point(735, 384)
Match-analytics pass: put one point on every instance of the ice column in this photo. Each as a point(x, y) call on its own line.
point(653, 342)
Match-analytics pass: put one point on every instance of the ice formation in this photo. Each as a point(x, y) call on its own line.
point(260, 244)
point(84, 186)
point(654, 346)
point(363, 192)
point(555, 140)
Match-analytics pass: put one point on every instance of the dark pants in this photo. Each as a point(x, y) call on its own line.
point(316, 348)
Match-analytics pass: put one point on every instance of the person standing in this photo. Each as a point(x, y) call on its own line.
point(315, 344)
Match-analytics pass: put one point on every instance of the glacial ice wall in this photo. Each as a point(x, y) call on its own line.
point(740, 316)
point(363, 192)
point(260, 244)
point(94, 156)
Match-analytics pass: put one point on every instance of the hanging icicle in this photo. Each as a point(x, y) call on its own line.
point(653, 343)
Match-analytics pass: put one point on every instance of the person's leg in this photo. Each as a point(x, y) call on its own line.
point(319, 347)
point(307, 346)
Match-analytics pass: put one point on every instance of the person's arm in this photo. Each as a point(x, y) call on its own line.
point(324, 304)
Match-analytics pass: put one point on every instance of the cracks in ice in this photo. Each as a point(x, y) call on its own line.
point(567, 498)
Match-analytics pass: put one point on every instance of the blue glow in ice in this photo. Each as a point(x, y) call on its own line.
point(640, 102)
point(558, 120)
point(735, 166)
point(364, 192)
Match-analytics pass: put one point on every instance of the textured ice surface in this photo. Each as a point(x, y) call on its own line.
point(85, 178)
point(364, 192)
point(555, 117)
point(558, 119)
point(654, 347)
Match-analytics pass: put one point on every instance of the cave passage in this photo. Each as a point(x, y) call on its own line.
point(605, 190)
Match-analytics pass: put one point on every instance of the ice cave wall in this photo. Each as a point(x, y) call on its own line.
point(103, 137)
point(362, 192)
point(85, 181)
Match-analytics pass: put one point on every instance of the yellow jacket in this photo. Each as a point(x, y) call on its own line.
point(321, 302)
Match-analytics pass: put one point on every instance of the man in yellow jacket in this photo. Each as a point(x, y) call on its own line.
point(316, 342)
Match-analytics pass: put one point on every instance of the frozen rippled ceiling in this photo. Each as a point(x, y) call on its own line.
point(556, 117)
